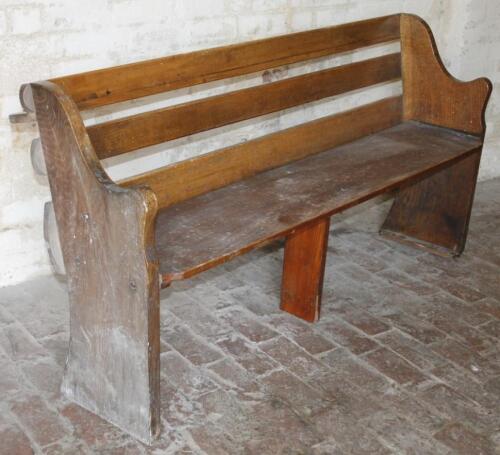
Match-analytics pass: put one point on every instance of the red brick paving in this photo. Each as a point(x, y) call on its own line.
point(405, 359)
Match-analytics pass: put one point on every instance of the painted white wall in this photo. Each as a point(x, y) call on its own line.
point(40, 39)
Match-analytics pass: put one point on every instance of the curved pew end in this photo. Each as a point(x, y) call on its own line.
point(112, 368)
point(434, 214)
point(431, 94)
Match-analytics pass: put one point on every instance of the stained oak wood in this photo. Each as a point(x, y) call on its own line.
point(199, 175)
point(126, 82)
point(303, 270)
point(434, 214)
point(118, 248)
point(431, 94)
point(162, 125)
point(207, 230)
point(107, 239)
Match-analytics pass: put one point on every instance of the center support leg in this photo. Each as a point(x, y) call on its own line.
point(303, 270)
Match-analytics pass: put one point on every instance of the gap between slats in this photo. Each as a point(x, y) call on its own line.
point(136, 80)
point(162, 125)
point(186, 179)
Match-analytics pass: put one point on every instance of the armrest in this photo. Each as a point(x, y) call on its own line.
point(89, 206)
point(431, 94)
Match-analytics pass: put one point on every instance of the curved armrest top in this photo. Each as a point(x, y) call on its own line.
point(66, 120)
point(431, 93)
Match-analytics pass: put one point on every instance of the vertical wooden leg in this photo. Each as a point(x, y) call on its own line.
point(434, 213)
point(303, 270)
point(113, 365)
point(106, 235)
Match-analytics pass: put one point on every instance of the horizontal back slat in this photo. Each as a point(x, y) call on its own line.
point(126, 82)
point(190, 178)
point(150, 128)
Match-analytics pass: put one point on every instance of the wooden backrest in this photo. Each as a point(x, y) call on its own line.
point(108, 86)
point(175, 183)
point(186, 179)
point(422, 100)
point(126, 82)
point(161, 125)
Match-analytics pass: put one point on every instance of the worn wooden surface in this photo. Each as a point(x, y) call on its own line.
point(303, 270)
point(121, 83)
point(431, 94)
point(223, 204)
point(199, 233)
point(434, 213)
point(162, 125)
point(107, 240)
point(186, 179)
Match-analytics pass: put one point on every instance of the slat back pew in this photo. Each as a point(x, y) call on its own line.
point(122, 241)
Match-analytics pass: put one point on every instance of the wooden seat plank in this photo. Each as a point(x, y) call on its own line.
point(204, 231)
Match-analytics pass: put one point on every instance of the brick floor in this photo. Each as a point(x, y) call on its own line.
point(405, 359)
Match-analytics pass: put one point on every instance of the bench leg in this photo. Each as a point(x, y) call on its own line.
point(434, 213)
point(106, 234)
point(112, 367)
point(303, 270)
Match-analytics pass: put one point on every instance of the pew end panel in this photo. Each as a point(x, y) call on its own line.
point(427, 214)
point(107, 241)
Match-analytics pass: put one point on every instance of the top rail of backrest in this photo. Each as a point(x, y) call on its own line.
point(122, 83)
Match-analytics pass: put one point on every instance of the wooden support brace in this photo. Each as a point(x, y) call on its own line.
point(434, 213)
point(303, 270)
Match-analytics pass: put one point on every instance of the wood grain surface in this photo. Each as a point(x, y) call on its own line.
point(207, 230)
point(107, 241)
point(431, 94)
point(303, 269)
point(135, 80)
point(186, 179)
point(162, 125)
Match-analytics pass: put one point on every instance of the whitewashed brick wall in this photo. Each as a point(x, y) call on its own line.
point(40, 39)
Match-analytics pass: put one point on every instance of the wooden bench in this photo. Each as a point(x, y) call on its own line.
point(122, 241)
